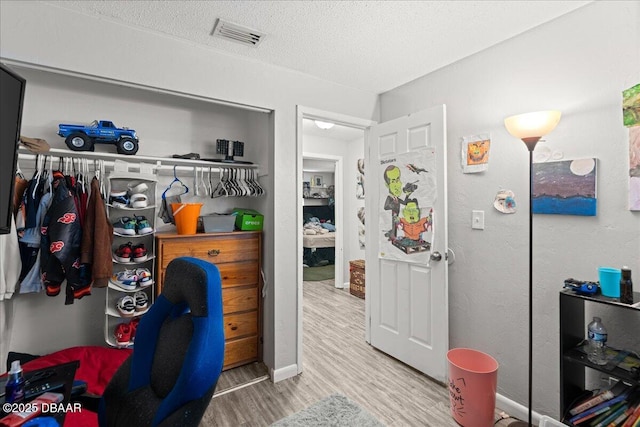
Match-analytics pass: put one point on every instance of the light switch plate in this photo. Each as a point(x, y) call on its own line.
point(477, 220)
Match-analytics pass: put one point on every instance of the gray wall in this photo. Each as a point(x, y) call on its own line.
point(579, 64)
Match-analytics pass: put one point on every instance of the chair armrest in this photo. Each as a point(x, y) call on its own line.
point(89, 402)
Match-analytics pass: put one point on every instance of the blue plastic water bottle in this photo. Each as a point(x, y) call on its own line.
point(15, 384)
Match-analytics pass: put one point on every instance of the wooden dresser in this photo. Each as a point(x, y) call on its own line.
point(237, 255)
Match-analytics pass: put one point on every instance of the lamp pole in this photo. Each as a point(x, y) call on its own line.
point(530, 128)
point(530, 142)
point(531, 147)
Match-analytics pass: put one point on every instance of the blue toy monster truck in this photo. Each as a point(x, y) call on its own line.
point(83, 138)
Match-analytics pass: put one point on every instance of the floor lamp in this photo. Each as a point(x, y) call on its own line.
point(530, 127)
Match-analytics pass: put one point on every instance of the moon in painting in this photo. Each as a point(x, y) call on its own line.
point(582, 167)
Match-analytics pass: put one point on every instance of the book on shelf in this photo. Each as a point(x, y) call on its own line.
point(611, 415)
point(623, 417)
point(581, 418)
point(602, 408)
point(598, 398)
point(633, 418)
point(616, 417)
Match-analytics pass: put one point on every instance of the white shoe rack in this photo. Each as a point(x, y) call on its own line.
point(121, 181)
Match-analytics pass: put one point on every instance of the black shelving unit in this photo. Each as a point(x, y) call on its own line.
point(573, 362)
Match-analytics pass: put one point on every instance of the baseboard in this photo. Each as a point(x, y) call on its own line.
point(346, 285)
point(515, 409)
point(284, 373)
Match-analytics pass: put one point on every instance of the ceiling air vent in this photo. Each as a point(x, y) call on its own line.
point(237, 33)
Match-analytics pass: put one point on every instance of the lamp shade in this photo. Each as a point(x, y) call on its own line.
point(532, 125)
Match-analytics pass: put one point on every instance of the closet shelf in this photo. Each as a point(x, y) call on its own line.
point(138, 288)
point(149, 258)
point(161, 163)
point(146, 208)
point(110, 311)
point(134, 236)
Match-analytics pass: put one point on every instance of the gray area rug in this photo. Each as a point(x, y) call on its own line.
point(335, 410)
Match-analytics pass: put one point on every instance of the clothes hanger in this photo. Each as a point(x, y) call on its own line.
point(40, 163)
point(208, 182)
point(220, 189)
point(175, 180)
point(19, 171)
point(250, 183)
point(103, 186)
point(196, 187)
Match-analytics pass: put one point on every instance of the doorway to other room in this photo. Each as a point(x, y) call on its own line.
point(331, 202)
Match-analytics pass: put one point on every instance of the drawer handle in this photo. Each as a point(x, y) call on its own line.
point(214, 252)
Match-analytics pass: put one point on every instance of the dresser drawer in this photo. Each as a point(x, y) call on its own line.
point(239, 273)
point(241, 351)
point(240, 325)
point(217, 250)
point(239, 299)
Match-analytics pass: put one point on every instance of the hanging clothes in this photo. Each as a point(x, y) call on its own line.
point(97, 239)
point(10, 269)
point(32, 199)
point(19, 186)
point(61, 239)
point(29, 231)
point(31, 279)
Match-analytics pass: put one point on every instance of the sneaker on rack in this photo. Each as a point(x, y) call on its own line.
point(138, 201)
point(126, 226)
point(133, 325)
point(139, 253)
point(141, 301)
point(142, 225)
point(122, 334)
point(126, 279)
point(124, 253)
point(144, 277)
point(118, 199)
point(127, 306)
point(137, 188)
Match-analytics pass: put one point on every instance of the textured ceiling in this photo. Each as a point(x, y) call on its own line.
point(371, 45)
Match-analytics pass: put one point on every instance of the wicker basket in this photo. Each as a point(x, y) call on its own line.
point(357, 282)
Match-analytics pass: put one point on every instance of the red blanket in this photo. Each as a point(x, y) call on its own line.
point(97, 366)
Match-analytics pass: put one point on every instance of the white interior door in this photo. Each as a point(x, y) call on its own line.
point(406, 283)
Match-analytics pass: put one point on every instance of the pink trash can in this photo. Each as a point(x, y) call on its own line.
point(473, 379)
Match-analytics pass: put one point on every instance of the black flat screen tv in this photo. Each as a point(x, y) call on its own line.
point(11, 100)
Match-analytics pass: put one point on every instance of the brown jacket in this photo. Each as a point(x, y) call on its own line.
point(97, 238)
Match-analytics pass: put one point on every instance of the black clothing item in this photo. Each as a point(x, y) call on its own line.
point(61, 238)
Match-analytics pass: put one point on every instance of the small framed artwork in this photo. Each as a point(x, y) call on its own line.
point(317, 180)
point(565, 187)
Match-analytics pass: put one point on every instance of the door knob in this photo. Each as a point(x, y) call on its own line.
point(436, 256)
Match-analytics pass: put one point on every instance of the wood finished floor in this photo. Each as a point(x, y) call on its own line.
point(336, 360)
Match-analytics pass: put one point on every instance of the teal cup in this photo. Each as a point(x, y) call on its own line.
point(609, 281)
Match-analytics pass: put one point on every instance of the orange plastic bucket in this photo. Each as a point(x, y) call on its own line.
point(186, 216)
point(473, 379)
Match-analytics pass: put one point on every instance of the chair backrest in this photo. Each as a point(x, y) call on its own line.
point(179, 349)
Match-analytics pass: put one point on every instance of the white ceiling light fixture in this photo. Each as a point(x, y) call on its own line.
point(324, 125)
point(237, 33)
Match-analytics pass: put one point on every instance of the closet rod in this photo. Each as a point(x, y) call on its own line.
point(160, 163)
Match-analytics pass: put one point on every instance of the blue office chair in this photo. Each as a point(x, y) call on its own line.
point(178, 354)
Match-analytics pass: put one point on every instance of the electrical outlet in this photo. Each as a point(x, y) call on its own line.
point(477, 220)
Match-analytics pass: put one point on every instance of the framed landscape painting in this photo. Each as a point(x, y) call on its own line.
point(566, 187)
